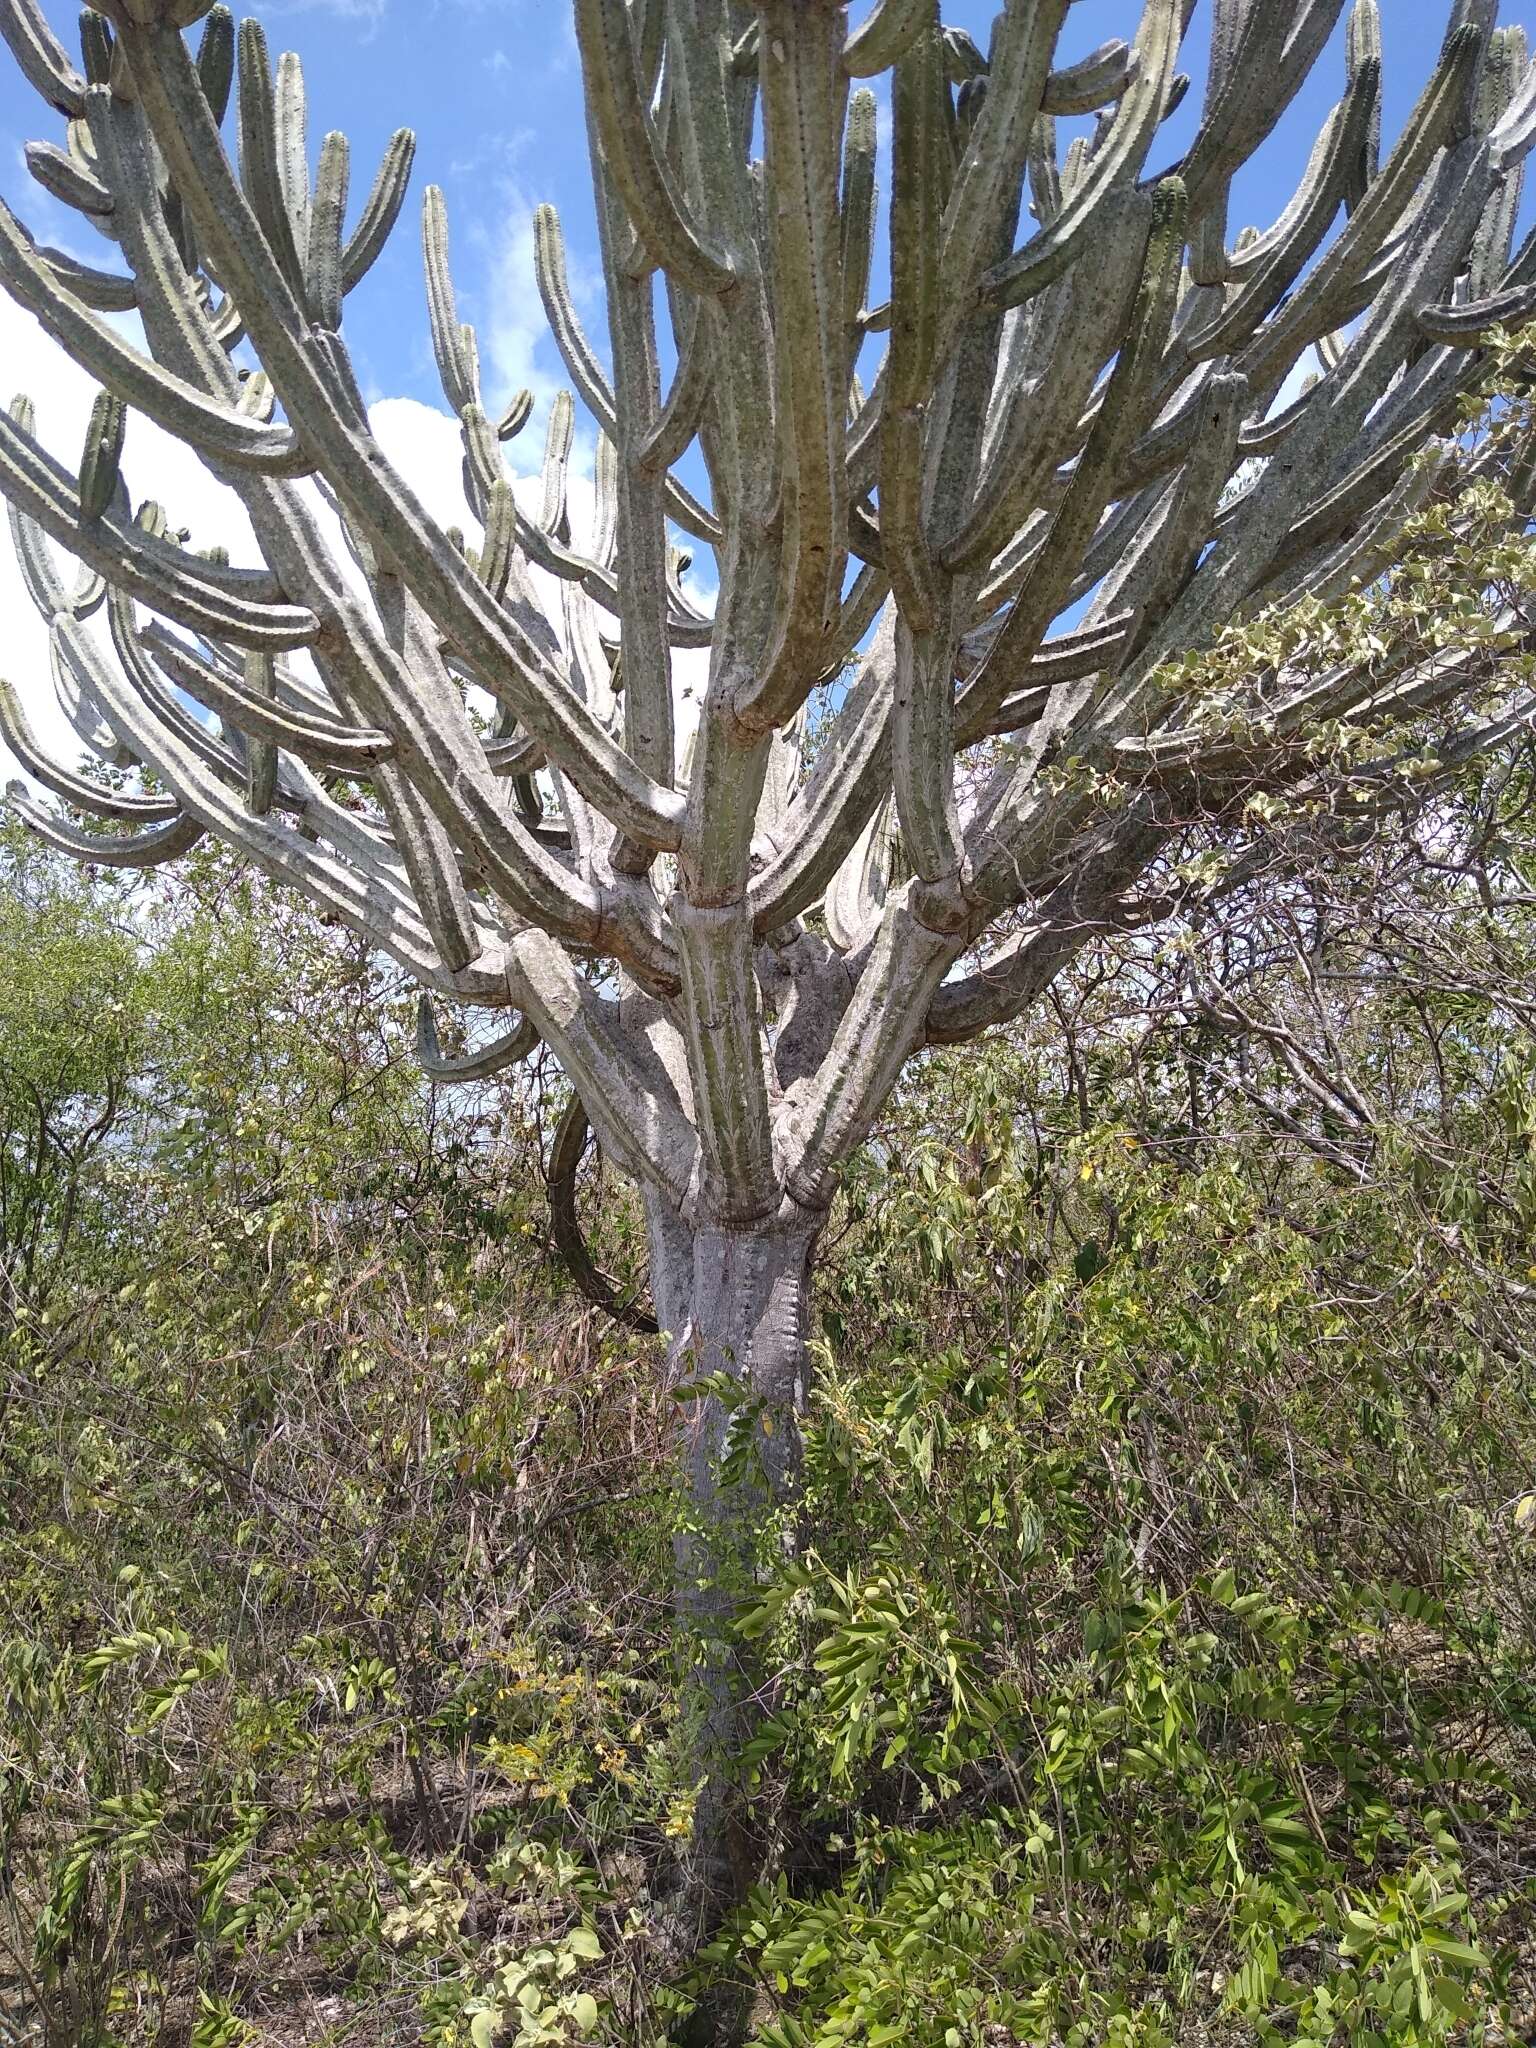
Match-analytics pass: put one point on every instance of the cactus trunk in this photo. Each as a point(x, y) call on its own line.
point(735, 1304)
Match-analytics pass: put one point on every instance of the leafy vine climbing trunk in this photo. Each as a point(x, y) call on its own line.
point(735, 1304)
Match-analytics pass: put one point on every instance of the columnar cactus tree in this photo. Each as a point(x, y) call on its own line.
point(1074, 418)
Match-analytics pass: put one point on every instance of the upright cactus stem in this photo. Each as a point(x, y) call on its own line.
point(1077, 441)
point(96, 46)
point(103, 453)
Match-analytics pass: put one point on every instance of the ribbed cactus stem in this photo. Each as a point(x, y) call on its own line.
point(96, 46)
point(103, 454)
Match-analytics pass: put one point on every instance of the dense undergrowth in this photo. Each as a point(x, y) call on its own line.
point(1156, 1666)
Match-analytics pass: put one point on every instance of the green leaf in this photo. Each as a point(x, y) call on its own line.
point(583, 1942)
point(1450, 1951)
point(484, 2028)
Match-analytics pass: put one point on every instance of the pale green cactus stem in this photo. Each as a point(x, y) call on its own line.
point(261, 755)
point(40, 57)
point(509, 1050)
point(516, 416)
point(381, 209)
point(96, 47)
point(95, 797)
point(99, 464)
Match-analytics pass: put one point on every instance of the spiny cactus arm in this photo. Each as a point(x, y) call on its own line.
point(1369, 551)
point(727, 1058)
point(802, 105)
point(678, 420)
point(986, 184)
point(858, 889)
point(323, 743)
point(1042, 397)
point(922, 746)
point(1503, 69)
point(582, 366)
point(1260, 57)
point(919, 183)
point(242, 605)
point(571, 1137)
point(1004, 985)
point(639, 523)
point(156, 691)
point(75, 789)
point(1515, 134)
point(376, 497)
point(682, 626)
point(1389, 443)
point(146, 849)
point(900, 973)
point(1094, 81)
point(262, 763)
point(170, 401)
point(1063, 659)
point(798, 857)
point(268, 115)
point(860, 609)
point(40, 57)
point(452, 342)
point(361, 844)
point(710, 112)
point(1311, 310)
point(381, 210)
point(639, 170)
point(1320, 448)
point(592, 387)
point(555, 471)
point(323, 276)
point(40, 578)
point(1265, 279)
point(1464, 326)
point(429, 880)
point(372, 903)
point(527, 875)
point(857, 224)
point(884, 36)
point(674, 429)
point(104, 290)
point(94, 735)
point(483, 1063)
point(438, 883)
point(1120, 159)
point(1049, 579)
point(1158, 565)
point(640, 1125)
point(592, 675)
point(67, 179)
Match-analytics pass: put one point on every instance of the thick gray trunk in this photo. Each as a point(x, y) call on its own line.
point(735, 1302)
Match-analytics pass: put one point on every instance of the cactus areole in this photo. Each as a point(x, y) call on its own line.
point(970, 525)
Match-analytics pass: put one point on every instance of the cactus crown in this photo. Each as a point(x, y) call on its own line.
point(471, 748)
